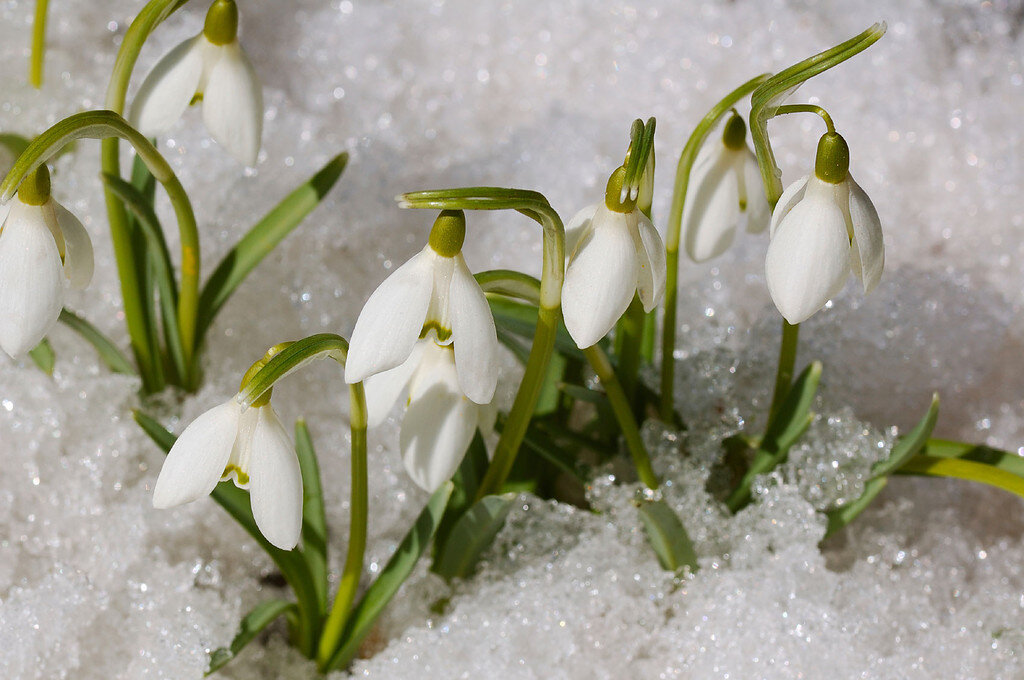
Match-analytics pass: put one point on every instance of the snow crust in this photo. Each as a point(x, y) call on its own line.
point(95, 583)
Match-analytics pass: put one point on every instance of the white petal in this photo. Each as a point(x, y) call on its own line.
point(383, 389)
point(867, 257)
point(808, 259)
point(78, 258)
point(196, 461)
point(438, 425)
point(391, 320)
point(758, 212)
point(600, 279)
point(790, 197)
point(168, 89)
point(31, 280)
point(473, 335)
point(577, 226)
point(275, 482)
point(233, 104)
point(712, 208)
point(650, 253)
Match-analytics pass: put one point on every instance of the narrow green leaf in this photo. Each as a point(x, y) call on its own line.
point(263, 238)
point(537, 441)
point(15, 144)
point(520, 319)
point(548, 401)
point(43, 356)
point(969, 470)
point(466, 482)
point(843, 515)
point(108, 351)
point(471, 535)
point(668, 537)
point(391, 578)
point(910, 445)
point(292, 563)
point(314, 519)
point(979, 453)
point(585, 394)
point(252, 625)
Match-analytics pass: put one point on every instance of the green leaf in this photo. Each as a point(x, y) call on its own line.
point(790, 422)
point(586, 395)
point(844, 514)
point(909, 446)
point(520, 318)
point(969, 470)
point(314, 519)
point(43, 356)
point(251, 626)
point(16, 144)
point(292, 563)
point(263, 238)
point(108, 351)
point(548, 401)
point(559, 456)
point(391, 578)
point(979, 453)
point(471, 535)
point(667, 536)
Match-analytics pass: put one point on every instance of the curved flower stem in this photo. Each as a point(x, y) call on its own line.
point(675, 221)
point(105, 125)
point(36, 58)
point(128, 269)
point(808, 108)
point(536, 207)
point(527, 288)
point(288, 360)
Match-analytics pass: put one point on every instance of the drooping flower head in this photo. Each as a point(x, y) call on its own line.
point(617, 253)
point(432, 294)
point(247, 445)
point(43, 249)
point(439, 420)
point(823, 226)
point(213, 69)
point(724, 184)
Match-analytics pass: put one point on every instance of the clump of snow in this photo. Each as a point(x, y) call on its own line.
point(94, 583)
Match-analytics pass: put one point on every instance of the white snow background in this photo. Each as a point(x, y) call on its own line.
point(929, 583)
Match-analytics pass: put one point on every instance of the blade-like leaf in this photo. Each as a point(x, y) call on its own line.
point(471, 535)
point(520, 318)
point(843, 515)
point(910, 445)
point(251, 626)
point(314, 520)
point(43, 356)
point(668, 537)
point(968, 470)
point(108, 351)
point(235, 501)
point(391, 578)
point(1004, 460)
point(263, 238)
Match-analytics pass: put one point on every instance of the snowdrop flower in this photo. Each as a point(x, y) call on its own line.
point(618, 253)
point(440, 420)
point(725, 183)
point(248, 446)
point(433, 294)
point(213, 69)
point(823, 226)
point(43, 249)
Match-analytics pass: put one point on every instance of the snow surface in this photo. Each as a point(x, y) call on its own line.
point(94, 583)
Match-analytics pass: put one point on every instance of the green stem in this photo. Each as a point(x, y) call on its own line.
point(628, 345)
point(353, 569)
point(808, 108)
point(675, 221)
point(536, 207)
point(128, 269)
point(35, 63)
point(104, 125)
point(623, 413)
point(787, 361)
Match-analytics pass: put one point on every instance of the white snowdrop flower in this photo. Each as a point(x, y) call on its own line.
point(823, 226)
point(432, 294)
point(617, 252)
point(724, 184)
point(439, 421)
point(43, 249)
point(248, 446)
point(211, 68)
